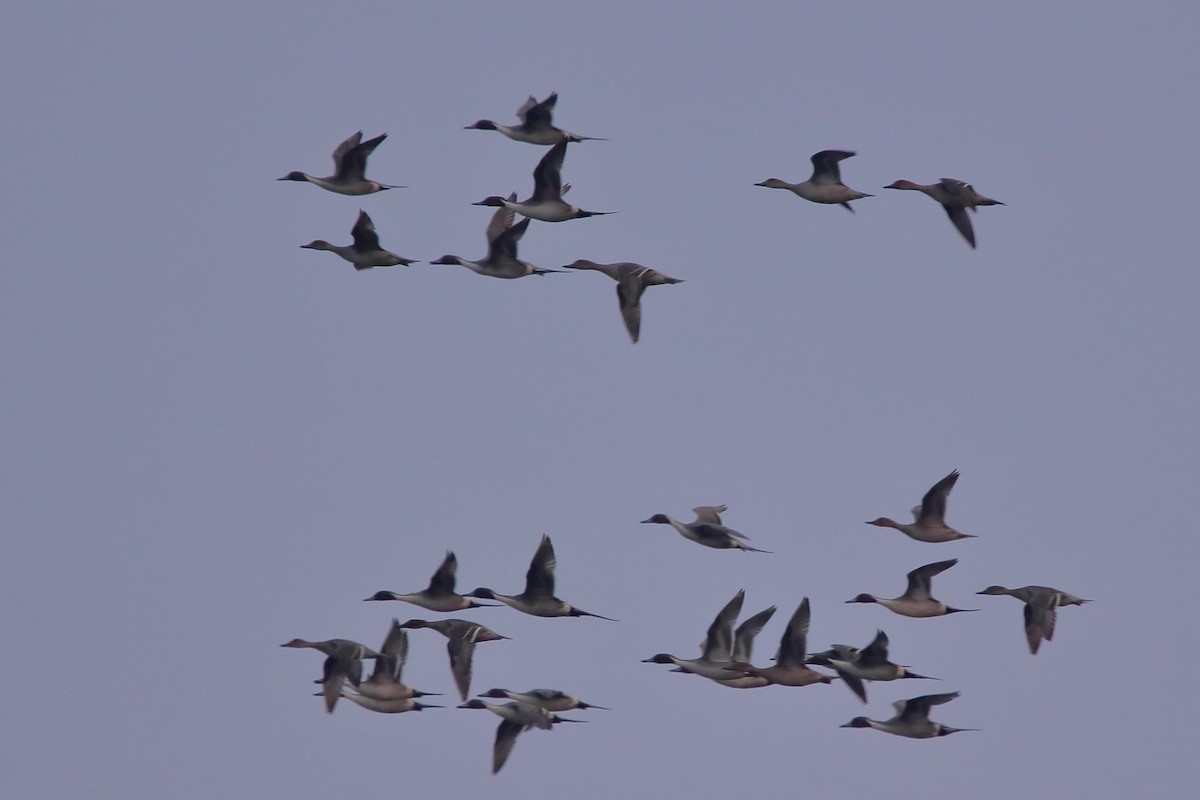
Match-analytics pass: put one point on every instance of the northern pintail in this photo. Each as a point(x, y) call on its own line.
point(929, 518)
point(1041, 609)
point(536, 124)
point(912, 718)
point(462, 635)
point(549, 699)
point(869, 664)
point(350, 166)
point(789, 668)
point(440, 594)
point(825, 185)
point(842, 652)
point(515, 718)
point(956, 197)
point(343, 662)
point(707, 529)
point(501, 260)
point(387, 706)
point(538, 598)
point(916, 600)
point(384, 683)
point(632, 279)
point(366, 251)
point(546, 203)
point(722, 647)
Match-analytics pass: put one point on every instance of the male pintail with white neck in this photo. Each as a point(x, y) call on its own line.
point(707, 529)
point(722, 647)
point(870, 664)
point(549, 699)
point(440, 594)
point(350, 167)
point(365, 252)
point(916, 600)
point(912, 718)
point(501, 260)
point(538, 598)
point(515, 718)
point(536, 126)
point(546, 203)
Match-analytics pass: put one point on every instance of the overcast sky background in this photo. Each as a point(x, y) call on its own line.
point(216, 441)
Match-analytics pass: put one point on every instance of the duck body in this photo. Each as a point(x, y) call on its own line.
point(343, 662)
point(548, 699)
point(1041, 610)
point(789, 668)
point(365, 252)
point(538, 598)
point(911, 719)
point(632, 280)
point(723, 647)
point(917, 600)
point(546, 203)
point(439, 595)
point(536, 126)
point(501, 260)
point(462, 636)
point(869, 664)
point(707, 529)
point(350, 165)
point(956, 197)
point(825, 185)
point(929, 518)
point(515, 719)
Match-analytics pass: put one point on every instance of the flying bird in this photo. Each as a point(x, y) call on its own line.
point(956, 197)
point(825, 185)
point(632, 280)
point(365, 252)
point(350, 167)
point(929, 518)
point(536, 126)
point(1041, 609)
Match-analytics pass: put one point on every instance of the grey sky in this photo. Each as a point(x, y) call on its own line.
point(216, 441)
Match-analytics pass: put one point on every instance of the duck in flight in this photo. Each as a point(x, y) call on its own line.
point(501, 260)
point(825, 185)
point(929, 518)
point(632, 280)
point(536, 126)
point(538, 598)
point(956, 197)
point(350, 167)
point(462, 635)
point(707, 529)
point(546, 203)
point(1041, 609)
point(912, 718)
point(365, 252)
point(916, 600)
point(440, 594)
point(515, 718)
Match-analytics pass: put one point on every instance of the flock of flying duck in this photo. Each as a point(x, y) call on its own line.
point(726, 653)
point(546, 204)
point(725, 656)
